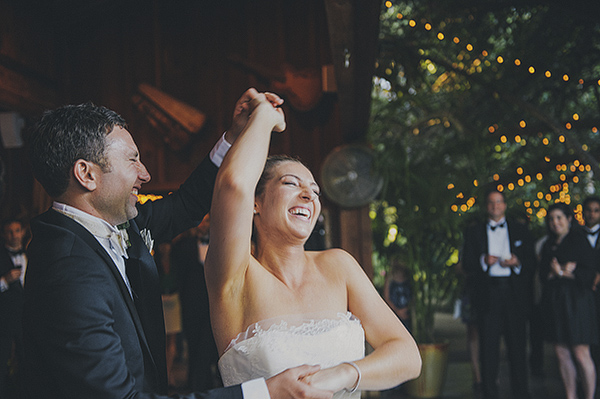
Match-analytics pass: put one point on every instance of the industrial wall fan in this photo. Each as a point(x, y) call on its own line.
point(348, 178)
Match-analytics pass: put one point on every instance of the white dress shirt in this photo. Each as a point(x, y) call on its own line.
point(499, 246)
point(592, 235)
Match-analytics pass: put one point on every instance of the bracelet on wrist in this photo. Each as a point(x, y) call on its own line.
point(355, 387)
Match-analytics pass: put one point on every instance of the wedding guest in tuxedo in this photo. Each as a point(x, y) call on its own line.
point(591, 218)
point(13, 262)
point(498, 256)
point(92, 321)
point(187, 259)
point(567, 272)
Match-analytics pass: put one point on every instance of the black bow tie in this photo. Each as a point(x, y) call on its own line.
point(501, 225)
point(593, 233)
point(16, 253)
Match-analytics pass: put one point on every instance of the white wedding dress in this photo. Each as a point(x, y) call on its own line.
point(270, 346)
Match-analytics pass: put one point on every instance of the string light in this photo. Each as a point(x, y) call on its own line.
point(476, 65)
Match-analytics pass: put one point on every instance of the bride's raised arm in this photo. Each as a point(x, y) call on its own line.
point(233, 199)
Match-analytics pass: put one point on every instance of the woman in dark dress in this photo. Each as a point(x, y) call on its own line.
point(567, 271)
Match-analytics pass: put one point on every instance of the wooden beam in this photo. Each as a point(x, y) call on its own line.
point(24, 93)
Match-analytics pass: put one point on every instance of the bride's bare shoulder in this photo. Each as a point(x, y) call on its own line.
point(336, 256)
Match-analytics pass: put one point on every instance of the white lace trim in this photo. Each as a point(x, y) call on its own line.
point(303, 324)
point(273, 345)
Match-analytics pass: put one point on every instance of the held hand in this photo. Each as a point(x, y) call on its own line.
point(262, 104)
point(596, 282)
point(570, 267)
point(242, 110)
point(291, 384)
point(342, 376)
point(490, 259)
point(555, 267)
point(512, 262)
point(12, 275)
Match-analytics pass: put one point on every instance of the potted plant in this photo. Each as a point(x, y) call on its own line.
point(411, 225)
point(417, 221)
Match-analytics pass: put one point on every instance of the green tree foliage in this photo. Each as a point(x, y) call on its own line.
point(470, 94)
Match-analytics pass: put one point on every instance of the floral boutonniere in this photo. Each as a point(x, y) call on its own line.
point(147, 237)
point(123, 228)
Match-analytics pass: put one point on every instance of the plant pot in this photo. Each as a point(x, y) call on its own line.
point(433, 372)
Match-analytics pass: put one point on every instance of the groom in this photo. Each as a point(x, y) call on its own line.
point(93, 324)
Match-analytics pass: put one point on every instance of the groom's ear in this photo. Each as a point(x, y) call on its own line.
point(86, 174)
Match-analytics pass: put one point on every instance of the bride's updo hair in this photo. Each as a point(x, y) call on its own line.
point(268, 172)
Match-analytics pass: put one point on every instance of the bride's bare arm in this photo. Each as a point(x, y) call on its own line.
point(233, 198)
point(395, 357)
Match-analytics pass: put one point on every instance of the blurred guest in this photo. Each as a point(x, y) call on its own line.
point(467, 315)
point(591, 218)
point(13, 262)
point(398, 292)
point(171, 305)
point(187, 259)
point(498, 255)
point(568, 272)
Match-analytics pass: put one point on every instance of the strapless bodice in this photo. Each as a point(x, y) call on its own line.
point(270, 346)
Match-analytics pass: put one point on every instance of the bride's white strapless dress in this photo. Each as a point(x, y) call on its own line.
point(271, 346)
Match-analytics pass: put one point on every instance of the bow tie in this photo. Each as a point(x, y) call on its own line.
point(501, 225)
point(15, 253)
point(593, 233)
point(120, 242)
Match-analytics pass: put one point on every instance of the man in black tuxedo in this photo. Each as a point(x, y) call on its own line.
point(13, 262)
point(92, 321)
point(591, 218)
point(500, 259)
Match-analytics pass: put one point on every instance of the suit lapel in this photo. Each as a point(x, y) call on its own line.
point(81, 232)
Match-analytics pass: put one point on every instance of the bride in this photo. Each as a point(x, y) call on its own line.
point(274, 305)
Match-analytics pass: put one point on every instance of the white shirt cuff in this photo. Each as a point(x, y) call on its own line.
point(3, 285)
point(219, 150)
point(255, 389)
point(484, 266)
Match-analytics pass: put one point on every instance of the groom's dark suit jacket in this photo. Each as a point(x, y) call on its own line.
point(84, 335)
